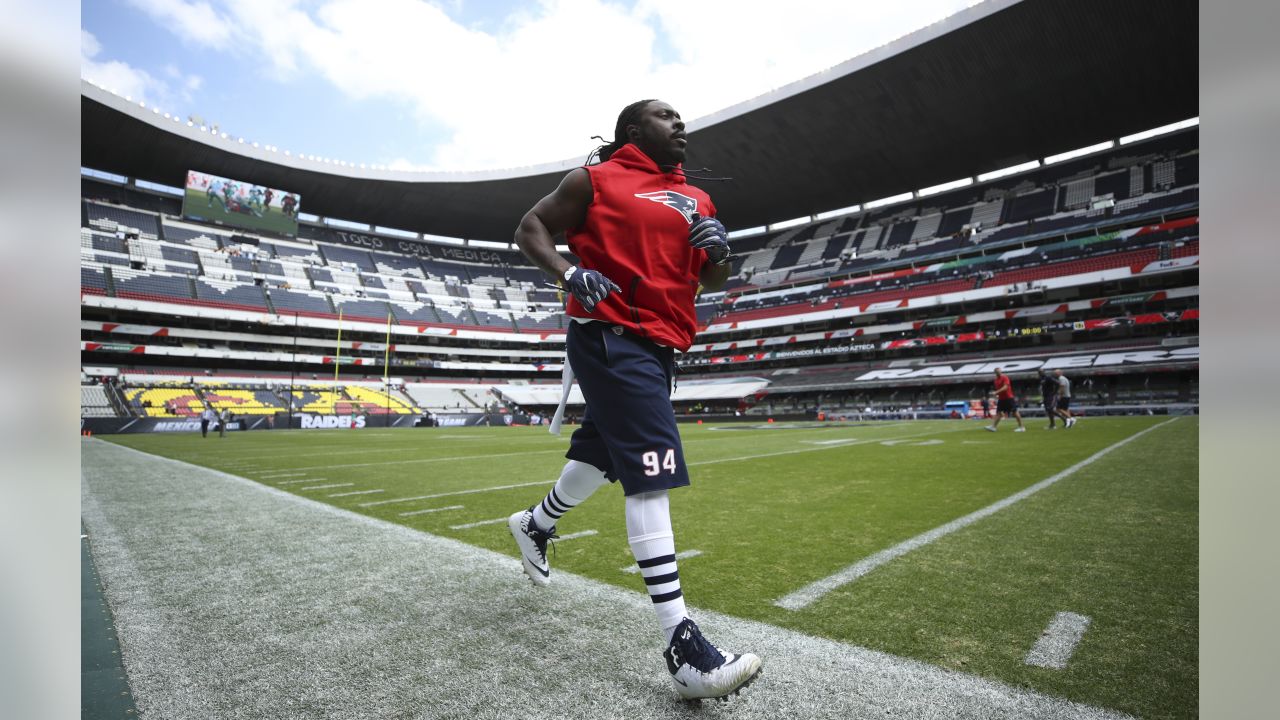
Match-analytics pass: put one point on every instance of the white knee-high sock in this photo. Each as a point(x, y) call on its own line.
point(577, 481)
point(654, 547)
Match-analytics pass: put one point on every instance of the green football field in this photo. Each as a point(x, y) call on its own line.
point(773, 509)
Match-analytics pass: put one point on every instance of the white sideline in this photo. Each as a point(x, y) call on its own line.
point(1054, 647)
point(812, 592)
point(226, 606)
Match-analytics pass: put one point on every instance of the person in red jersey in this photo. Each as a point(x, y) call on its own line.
point(645, 240)
point(1006, 404)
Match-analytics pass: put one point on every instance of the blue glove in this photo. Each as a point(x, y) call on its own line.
point(709, 234)
point(589, 286)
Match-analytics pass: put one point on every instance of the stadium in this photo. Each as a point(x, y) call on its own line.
point(1013, 187)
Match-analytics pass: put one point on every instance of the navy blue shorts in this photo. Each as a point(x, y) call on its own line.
point(629, 429)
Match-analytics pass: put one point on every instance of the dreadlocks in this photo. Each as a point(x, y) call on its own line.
point(630, 115)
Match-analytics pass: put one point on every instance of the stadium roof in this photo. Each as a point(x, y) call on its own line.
point(1000, 83)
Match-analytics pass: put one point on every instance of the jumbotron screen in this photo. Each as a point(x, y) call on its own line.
point(241, 204)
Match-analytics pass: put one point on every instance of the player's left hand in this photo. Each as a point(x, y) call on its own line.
point(709, 234)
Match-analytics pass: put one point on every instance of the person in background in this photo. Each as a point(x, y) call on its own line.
point(1006, 404)
point(206, 417)
point(1049, 396)
point(1064, 399)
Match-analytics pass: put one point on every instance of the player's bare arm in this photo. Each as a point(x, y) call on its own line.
point(564, 208)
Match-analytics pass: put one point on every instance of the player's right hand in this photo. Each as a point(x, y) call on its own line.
point(590, 287)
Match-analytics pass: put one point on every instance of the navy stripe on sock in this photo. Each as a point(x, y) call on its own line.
point(659, 579)
point(546, 508)
point(667, 597)
point(660, 560)
point(556, 499)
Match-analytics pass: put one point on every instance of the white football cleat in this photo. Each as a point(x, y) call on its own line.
point(701, 670)
point(989, 429)
point(532, 542)
point(1021, 429)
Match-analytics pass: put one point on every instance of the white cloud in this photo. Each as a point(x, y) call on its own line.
point(135, 83)
point(195, 21)
point(556, 73)
point(118, 77)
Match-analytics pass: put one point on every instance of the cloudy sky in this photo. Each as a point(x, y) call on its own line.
point(465, 84)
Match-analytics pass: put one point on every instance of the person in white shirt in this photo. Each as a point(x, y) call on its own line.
point(1064, 398)
point(206, 417)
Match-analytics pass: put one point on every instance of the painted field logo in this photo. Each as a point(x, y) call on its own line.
point(345, 422)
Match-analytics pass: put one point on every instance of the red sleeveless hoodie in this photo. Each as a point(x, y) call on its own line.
point(637, 233)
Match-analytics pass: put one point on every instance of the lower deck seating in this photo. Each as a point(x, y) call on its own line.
point(165, 402)
point(244, 402)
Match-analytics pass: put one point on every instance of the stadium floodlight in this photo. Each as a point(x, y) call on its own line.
point(790, 223)
point(748, 232)
point(900, 197)
point(943, 187)
point(562, 248)
point(489, 244)
point(443, 239)
point(836, 213)
point(1011, 170)
point(1192, 122)
point(1072, 154)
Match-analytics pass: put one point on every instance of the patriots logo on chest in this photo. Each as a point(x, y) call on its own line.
point(682, 204)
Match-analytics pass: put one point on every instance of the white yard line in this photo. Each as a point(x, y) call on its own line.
point(575, 536)
point(456, 492)
point(466, 526)
point(356, 492)
point(303, 480)
point(841, 446)
point(1058, 641)
point(431, 510)
point(273, 474)
point(701, 462)
point(326, 487)
point(633, 569)
point(811, 593)
point(420, 461)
